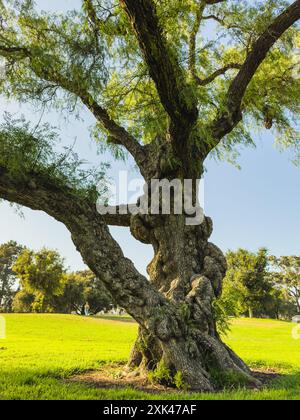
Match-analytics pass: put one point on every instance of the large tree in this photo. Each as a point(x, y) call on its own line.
point(169, 93)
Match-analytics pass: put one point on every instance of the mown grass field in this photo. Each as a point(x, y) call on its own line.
point(42, 351)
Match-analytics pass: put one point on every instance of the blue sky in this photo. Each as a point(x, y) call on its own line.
point(256, 206)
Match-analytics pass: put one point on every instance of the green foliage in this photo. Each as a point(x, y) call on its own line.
point(221, 315)
point(79, 288)
point(40, 271)
point(246, 287)
point(287, 277)
point(25, 150)
point(185, 312)
point(23, 302)
point(9, 252)
point(161, 375)
point(228, 379)
point(179, 382)
point(93, 53)
point(231, 302)
point(61, 45)
point(164, 376)
point(252, 288)
point(72, 298)
point(40, 274)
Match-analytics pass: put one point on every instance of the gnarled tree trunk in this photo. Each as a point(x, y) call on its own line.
point(174, 310)
point(188, 270)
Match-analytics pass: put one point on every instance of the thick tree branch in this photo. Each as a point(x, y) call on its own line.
point(162, 63)
point(228, 120)
point(222, 21)
point(118, 133)
point(92, 238)
point(117, 219)
point(12, 50)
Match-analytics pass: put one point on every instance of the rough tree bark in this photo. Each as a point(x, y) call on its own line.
point(188, 271)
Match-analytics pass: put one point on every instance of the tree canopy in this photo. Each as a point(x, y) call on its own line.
point(138, 80)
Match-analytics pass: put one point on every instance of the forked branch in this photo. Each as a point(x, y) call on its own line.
point(232, 115)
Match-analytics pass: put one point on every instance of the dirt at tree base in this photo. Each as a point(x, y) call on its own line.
point(113, 377)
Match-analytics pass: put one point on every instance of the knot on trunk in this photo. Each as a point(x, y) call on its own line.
point(214, 267)
point(200, 300)
point(140, 230)
point(206, 229)
point(166, 324)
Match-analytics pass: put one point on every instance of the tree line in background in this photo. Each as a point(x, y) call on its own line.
point(39, 282)
point(256, 284)
point(262, 286)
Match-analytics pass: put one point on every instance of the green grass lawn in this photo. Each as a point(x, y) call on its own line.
point(42, 351)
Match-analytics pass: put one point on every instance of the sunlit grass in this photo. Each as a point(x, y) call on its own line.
point(42, 351)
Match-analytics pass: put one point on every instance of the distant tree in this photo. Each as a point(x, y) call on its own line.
point(8, 255)
point(23, 301)
point(287, 277)
point(40, 274)
point(72, 299)
point(279, 305)
point(82, 287)
point(96, 294)
point(46, 287)
point(232, 298)
point(247, 287)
